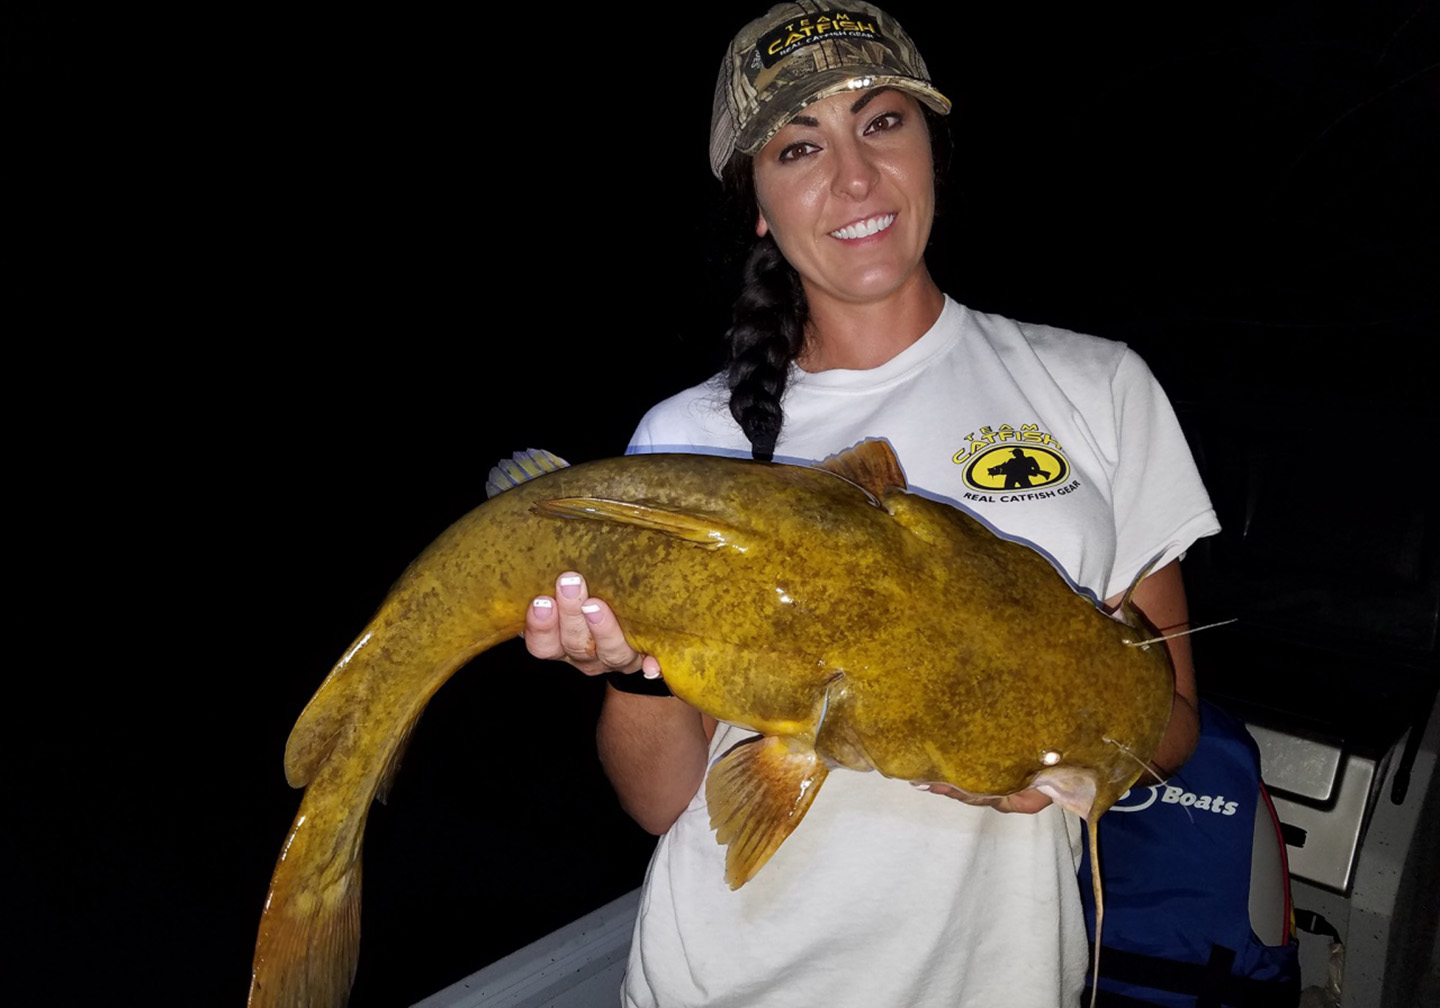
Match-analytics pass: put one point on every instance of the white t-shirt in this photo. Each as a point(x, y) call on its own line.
point(885, 895)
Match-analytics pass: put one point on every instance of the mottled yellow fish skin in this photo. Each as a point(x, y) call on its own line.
point(875, 628)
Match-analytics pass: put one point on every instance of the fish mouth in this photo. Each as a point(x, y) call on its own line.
point(864, 228)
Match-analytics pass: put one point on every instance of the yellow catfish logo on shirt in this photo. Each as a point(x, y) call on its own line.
point(1010, 458)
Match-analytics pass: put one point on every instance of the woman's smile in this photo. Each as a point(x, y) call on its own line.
point(864, 228)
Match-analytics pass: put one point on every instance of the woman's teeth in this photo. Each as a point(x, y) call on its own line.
point(865, 228)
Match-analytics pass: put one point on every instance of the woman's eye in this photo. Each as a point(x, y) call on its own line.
point(795, 151)
point(885, 121)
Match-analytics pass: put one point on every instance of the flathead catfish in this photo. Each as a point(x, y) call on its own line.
point(850, 623)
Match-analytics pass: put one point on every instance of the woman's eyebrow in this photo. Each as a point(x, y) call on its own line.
point(860, 103)
point(867, 98)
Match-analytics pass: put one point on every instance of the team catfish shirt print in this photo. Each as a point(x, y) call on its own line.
point(1102, 482)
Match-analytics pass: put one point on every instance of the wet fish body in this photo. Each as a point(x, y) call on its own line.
point(850, 623)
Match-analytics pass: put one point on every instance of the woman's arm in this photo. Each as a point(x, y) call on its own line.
point(653, 749)
point(1161, 598)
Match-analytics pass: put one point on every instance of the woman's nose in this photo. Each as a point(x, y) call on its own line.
point(855, 172)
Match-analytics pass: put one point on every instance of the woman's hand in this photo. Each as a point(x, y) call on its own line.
point(572, 627)
point(1027, 802)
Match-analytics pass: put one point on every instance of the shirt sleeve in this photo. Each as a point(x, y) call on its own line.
point(643, 440)
point(1161, 505)
point(694, 421)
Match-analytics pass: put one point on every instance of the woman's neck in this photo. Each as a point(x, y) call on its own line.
point(863, 336)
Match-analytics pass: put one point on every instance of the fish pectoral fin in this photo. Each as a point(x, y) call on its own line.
point(870, 465)
point(699, 529)
point(1072, 788)
point(757, 793)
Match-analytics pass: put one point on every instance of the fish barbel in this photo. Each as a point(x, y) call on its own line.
point(852, 624)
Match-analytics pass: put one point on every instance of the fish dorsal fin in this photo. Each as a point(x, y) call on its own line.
point(699, 529)
point(520, 468)
point(757, 794)
point(870, 465)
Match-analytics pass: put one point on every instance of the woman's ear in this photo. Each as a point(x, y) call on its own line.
point(762, 226)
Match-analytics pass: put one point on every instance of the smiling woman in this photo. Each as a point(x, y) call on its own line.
point(826, 121)
point(847, 191)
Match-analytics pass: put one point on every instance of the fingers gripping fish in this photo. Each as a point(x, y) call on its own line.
point(804, 589)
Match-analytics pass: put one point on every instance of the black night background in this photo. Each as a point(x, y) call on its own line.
point(285, 286)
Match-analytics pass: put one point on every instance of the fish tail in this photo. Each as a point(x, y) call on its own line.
point(308, 942)
point(345, 749)
point(307, 950)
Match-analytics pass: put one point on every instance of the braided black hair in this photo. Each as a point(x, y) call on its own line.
point(767, 329)
point(767, 333)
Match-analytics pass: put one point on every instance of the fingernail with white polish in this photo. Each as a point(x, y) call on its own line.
point(570, 585)
point(591, 611)
point(542, 603)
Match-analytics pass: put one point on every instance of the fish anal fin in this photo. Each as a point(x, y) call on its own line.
point(757, 793)
point(392, 766)
point(308, 947)
point(698, 529)
point(521, 468)
point(870, 465)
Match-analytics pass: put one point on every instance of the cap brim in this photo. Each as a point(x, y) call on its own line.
point(789, 101)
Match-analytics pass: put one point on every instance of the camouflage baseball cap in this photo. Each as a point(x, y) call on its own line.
point(799, 53)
